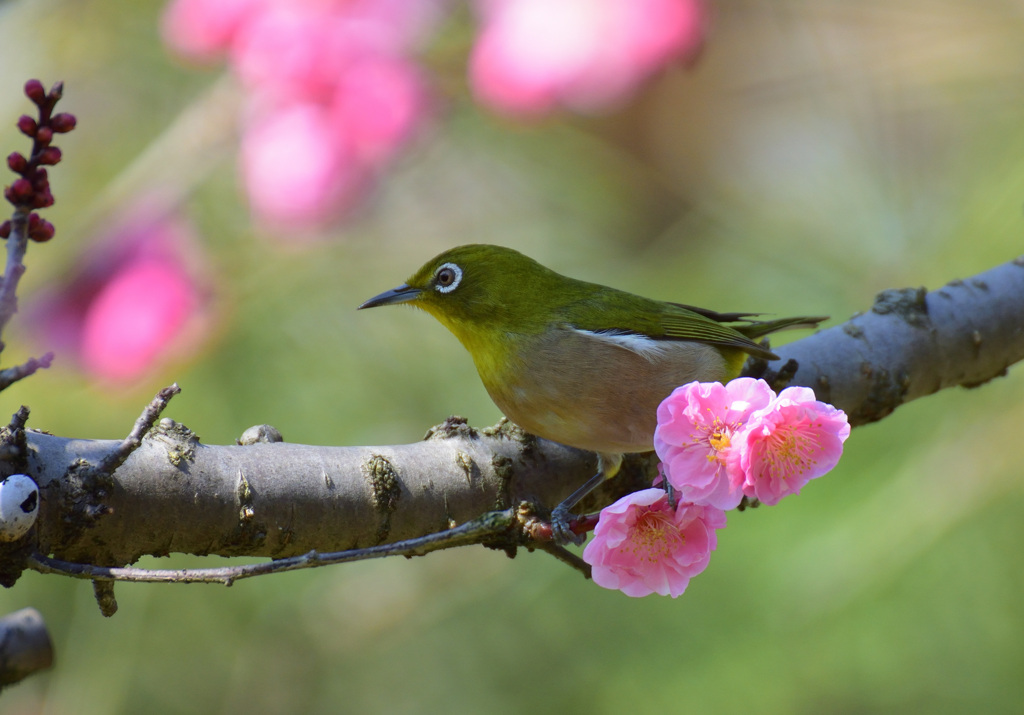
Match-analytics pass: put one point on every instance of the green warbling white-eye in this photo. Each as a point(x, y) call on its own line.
point(575, 362)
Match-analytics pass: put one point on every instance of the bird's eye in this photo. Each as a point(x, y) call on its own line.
point(447, 278)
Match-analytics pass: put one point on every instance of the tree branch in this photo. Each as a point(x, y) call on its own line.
point(477, 531)
point(913, 343)
point(173, 494)
point(275, 499)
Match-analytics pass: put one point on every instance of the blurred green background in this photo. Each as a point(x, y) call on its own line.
point(817, 153)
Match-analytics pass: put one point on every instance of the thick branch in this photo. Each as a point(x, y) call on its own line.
point(174, 494)
point(913, 343)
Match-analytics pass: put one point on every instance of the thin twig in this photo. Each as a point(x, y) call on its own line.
point(17, 244)
point(12, 437)
point(19, 419)
point(104, 592)
point(11, 375)
point(472, 532)
point(565, 556)
point(145, 423)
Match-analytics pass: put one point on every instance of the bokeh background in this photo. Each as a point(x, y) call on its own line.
point(813, 154)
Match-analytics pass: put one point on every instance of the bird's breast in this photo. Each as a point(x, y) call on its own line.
point(591, 391)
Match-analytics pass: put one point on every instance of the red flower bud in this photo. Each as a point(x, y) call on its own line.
point(5, 229)
point(42, 199)
point(42, 232)
point(44, 135)
point(63, 122)
point(50, 155)
point(33, 220)
point(27, 125)
point(21, 190)
point(39, 181)
point(17, 163)
point(34, 90)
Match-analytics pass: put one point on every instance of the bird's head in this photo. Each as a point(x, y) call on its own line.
point(470, 288)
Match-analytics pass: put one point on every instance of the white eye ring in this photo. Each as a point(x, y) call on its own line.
point(456, 279)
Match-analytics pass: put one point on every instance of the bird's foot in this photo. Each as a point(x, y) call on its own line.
point(673, 495)
point(561, 531)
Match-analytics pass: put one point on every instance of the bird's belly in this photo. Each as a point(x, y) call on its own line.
point(595, 395)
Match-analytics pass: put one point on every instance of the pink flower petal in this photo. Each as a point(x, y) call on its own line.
point(785, 445)
point(642, 546)
point(693, 439)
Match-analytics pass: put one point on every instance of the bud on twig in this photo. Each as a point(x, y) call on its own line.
point(43, 230)
point(27, 125)
point(32, 190)
point(63, 122)
point(19, 191)
point(50, 155)
point(17, 163)
point(34, 90)
point(42, 199)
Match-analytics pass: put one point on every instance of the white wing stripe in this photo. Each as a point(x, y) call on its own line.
point(642, 345)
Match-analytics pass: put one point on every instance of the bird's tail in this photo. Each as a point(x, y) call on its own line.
point(759, 328)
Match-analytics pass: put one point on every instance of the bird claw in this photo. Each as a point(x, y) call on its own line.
point(561, 532)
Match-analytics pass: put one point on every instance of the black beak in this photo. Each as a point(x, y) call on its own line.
point(401, 294)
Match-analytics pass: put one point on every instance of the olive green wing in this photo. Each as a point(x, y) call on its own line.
point(680, 323)
point(611, 312)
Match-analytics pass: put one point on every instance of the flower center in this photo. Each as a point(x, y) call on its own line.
point(789, 452)
point(654, 536)
point(717, 436)
point(719, 439)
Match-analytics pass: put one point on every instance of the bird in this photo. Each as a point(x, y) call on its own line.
point(575, 362)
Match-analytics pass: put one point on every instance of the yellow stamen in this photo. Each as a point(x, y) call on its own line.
point(789, 452)
point(654, 536)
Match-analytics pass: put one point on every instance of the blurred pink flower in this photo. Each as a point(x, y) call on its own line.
point(202, 30)
point(133, 302)
point(298, 168)
point(793, 440)
point(296, 51)
point(378, 105)
point(533, 55)
point(142, 308)
point(642, 545)
point(332, 93)
point(695, 433)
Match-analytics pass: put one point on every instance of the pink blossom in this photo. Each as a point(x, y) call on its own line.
point(298, 168)
point(134, 316)
point(203, 30)
point(791, 441)
point(332, 94)
point(296, 51)
point(695, 433)
point(642, 545)
point(532, 55)
point(379, 104)
point(133, 303)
